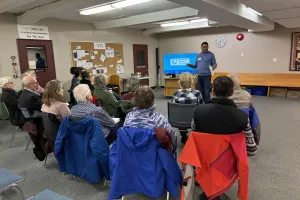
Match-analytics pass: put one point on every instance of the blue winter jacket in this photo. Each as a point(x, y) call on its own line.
point(139, 165)
point(81, 149)
point(254, 121)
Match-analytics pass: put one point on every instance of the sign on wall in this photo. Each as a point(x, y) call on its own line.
point(33, 32)
point(295, 53)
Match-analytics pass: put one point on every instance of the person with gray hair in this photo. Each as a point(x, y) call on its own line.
point(33, 74)
point(10, 98)
point(108, 101)
point(240, 97)
point(84, 108)
point(29, 97)
point(144, 114)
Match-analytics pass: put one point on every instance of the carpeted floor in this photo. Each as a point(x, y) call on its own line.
point(275, 170)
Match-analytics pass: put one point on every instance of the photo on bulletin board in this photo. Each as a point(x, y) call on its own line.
point(295, 52)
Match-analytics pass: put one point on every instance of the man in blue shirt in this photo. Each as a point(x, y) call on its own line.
point(204, 60)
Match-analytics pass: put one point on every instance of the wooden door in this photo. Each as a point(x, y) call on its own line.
point(40, 54)
point(140, 57)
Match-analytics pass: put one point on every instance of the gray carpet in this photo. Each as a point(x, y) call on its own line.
point(274, 170)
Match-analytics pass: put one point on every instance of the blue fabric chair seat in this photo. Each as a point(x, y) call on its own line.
point(49, 195)
point(7, 178)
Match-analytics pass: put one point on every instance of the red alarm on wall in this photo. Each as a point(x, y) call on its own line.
point(240, 37)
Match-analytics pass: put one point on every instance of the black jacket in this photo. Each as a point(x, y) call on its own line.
point(30, 100)
point(88, 82)
point(10, 98)
point(220, 116)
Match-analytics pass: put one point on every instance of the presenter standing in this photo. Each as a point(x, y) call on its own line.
point(204, 60)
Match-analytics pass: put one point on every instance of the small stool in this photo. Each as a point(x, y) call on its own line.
point(48, 195)
point(9, 180)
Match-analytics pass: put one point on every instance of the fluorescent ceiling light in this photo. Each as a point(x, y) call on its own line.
point(175, 24)
point(94, 10)
point(118, 5)
point(184, 22)
point(255, 11)
point(250, 30)
point(198, 20)
point(126, 3)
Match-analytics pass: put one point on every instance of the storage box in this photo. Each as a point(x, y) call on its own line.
point(278, 92)
point(249, 90)
point(293, 94)
point(260, 91)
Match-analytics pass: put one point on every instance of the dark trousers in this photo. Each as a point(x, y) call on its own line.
point(204, 86)
point(113, 133)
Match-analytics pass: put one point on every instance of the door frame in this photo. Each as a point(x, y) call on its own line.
point(22, 45)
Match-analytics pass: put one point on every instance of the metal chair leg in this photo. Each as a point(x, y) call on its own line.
point(13, 137)
point(168, 195)
point(18, 187)
point(105, 183)
point(123, 197)
point(46, 160)
point(28, 144)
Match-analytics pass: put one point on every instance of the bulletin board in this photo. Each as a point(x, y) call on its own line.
point(98, 57)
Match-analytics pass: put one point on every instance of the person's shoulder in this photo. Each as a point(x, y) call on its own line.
point(211, 53)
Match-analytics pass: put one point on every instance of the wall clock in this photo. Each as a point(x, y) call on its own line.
point(220, 41)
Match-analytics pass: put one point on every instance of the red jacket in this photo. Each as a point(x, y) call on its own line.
point(220, 160)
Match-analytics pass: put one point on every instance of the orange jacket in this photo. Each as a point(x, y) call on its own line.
point(220, 160)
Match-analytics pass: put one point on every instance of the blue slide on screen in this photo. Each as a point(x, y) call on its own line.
point(176, 63)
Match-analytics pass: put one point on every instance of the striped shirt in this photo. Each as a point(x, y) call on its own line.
point(188, 96)
point(83, 109)
point(148, 118)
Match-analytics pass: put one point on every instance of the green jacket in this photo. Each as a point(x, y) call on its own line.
point(108, 101)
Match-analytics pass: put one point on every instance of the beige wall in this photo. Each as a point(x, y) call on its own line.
point(258, 49)
point(62, 32)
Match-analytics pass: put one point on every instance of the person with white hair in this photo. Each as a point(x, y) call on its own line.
point(84, 108)
point(29, 97)
point(240, 97)
point(10, 98)
point(33, 74)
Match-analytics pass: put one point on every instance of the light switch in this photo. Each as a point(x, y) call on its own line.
point(275, 59)
point(242, 54)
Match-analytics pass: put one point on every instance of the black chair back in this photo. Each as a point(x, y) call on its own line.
point(180, 115)
point(51, 125)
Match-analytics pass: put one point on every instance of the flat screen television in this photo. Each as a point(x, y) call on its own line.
point(176, 63)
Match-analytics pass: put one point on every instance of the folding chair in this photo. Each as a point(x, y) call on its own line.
point(9, 180)
point(181, 115)
point(14, 133)
point(48, 195)
point(51, 126)
point(28, 116)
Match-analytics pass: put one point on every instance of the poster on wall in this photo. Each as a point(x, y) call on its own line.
point(33, 32)
point(295, 53)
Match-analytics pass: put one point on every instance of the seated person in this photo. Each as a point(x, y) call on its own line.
point(144, 114)
point(133, 83)
point(10, 98)
point(242, 100)
point(221, 116)
point(32, 101)
point(86, 78)
point(187, 95)
point(33, 73)
point(108, 101)
point(75, 71)
point(30, 98)
point(53, 100)
point(84, 108)
point(241, 97)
